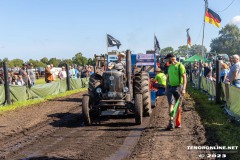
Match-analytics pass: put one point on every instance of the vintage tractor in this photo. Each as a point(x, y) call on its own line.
point(115, 92)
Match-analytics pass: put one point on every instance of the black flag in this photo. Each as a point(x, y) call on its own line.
point(156, 45)
point(113, 42)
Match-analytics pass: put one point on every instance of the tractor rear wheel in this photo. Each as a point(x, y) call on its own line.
point(142, 85)
point(138, 109)
point(85, 110)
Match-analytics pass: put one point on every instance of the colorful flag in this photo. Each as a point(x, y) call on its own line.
point(156, 45)
point(188, 38)
point(112, 41)
point(212, 18)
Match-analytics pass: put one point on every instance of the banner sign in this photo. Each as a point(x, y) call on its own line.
point(145, 63)
point(145, 56)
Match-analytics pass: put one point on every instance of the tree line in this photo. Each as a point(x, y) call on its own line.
point(228, 42)
point(78, 59)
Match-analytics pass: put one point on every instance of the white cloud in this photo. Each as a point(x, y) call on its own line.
point(235, 20)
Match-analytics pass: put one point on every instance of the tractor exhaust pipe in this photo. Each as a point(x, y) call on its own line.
point(128, 72)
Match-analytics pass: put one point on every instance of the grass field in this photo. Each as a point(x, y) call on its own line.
point(18, 105)
point(217, 124)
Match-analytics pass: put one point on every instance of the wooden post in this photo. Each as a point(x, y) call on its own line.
point(68, 78)
point(199, 74)
point(6, 83)
point(218, 83)
point(190, 72)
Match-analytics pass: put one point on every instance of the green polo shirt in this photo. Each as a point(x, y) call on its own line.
point(173, 72)
point(161, 79)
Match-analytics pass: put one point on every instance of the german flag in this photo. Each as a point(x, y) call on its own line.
point(213, 18)
point(188, 39)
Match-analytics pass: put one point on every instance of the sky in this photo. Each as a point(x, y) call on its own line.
point(33, 29)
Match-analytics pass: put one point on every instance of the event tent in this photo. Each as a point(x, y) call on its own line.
point(194, 58)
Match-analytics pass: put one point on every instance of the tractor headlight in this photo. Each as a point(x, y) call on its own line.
point(111, 78)
point(98, 90)
point(125, 89)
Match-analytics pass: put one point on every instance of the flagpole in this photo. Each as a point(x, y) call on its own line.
point(187, 42)
point(206, 6)
point(107, 43)
point(154, 40)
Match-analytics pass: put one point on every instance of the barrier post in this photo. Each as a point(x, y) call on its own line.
point(190, 72)
point(218, 83)
point(199, 74)
point(68, 78)
point(6, 83)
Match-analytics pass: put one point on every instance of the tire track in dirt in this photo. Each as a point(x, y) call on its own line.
point(61, 135)
point(25, 126)
point(157, 143)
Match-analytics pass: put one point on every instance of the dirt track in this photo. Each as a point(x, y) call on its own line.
point(55, 130)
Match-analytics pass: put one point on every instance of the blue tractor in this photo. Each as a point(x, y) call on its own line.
point(147, 63)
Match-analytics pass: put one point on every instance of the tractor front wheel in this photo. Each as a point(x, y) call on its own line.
point(138, 109)
point(85, 110)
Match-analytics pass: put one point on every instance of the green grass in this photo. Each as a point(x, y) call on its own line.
point(29, 103)
point(217, 124)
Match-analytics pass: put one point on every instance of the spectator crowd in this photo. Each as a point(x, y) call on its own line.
point(229, 70)
point(27, 75)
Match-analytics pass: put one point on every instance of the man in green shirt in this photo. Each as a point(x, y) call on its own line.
point(160, 78)
point(176, 86)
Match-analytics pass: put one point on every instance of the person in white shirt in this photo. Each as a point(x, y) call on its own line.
point(62, 74)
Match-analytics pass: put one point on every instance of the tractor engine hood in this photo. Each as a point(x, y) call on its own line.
point(113, 84)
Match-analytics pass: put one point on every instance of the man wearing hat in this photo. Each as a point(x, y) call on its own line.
point(160, 82)
point(176, 86)
point(160, 78)
point(119, 64)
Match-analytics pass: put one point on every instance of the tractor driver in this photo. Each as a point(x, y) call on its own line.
point(119, 64)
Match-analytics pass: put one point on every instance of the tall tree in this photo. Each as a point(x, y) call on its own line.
point(65, 61)
point(44, 60)
point(1, 63)
point(37, 63)
point(196, 49)
point(54, 61)
point(79, 59)
point(182, 50)
point(5, 60)
point(15, 62)
point(228, 40)
point(167, 50)
point(91, 61)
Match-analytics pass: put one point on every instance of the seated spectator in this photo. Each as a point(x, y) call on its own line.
point(14, 80)
point(9, 80)
point(20, 81)
point(23, 73)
